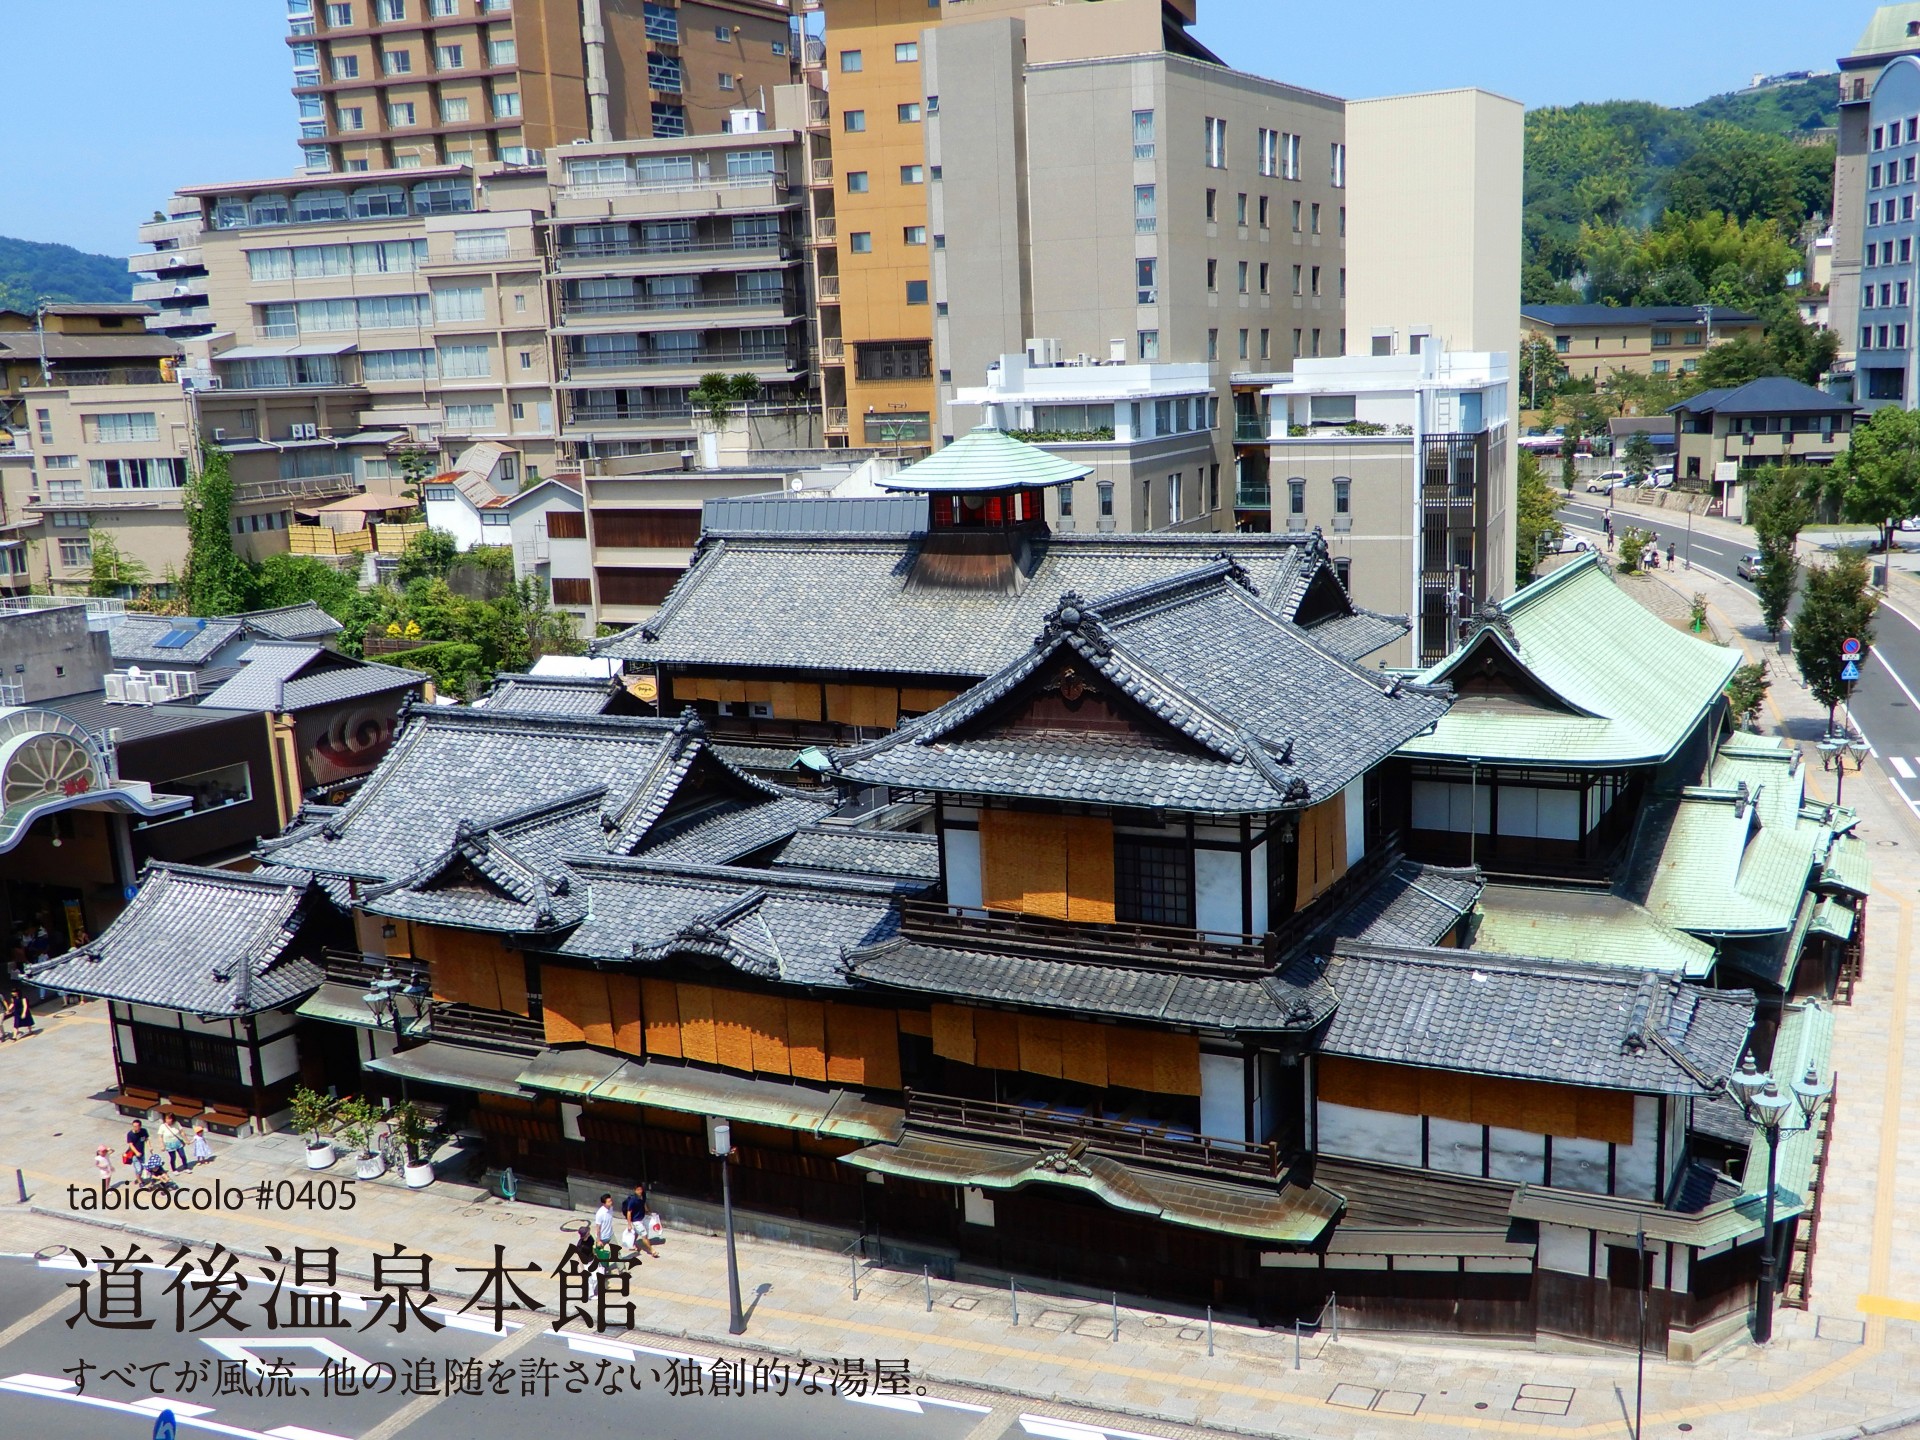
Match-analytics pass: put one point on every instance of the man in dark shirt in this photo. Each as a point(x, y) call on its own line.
point(137, 1138)
point(634, 1207)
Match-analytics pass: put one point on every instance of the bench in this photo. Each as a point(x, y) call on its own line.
point(226, 1119)
point(137, 1102)
point(183, 1107)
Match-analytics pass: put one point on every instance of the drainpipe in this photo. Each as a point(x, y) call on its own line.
point(593, 37)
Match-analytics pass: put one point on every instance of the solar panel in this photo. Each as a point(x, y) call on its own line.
point(175, 638)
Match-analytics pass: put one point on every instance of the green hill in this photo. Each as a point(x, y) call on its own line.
point(1792, 110)
point(30, 271)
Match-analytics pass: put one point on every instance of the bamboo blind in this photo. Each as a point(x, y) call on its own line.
point(1323, 849)
point(1102, 1056)
point(1568, 1111)
point(471, 969)
point(1059, 866)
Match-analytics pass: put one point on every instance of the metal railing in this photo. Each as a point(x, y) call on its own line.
point(1131, 945)
point(643, 250)
point(677, 359)
point(818, 112)
point(102, 613)
point(836, 420)
point(661, 304)
point(1250, 427)
point(1252, 495)
point(758, 180)
point(820, 170)
point(127, 375)
point(824, 229)
point(833, 350)
point(1051, 1129)
point(828, 288)
point(603, 414)
point(305, 487)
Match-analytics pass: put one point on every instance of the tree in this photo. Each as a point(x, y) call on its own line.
point(1633, 544)
point(416, 466)
point(1639, 454)
point(1535, 527)
point(543, 629)
point(1732, 363)
point(1883, 471)
point(1835, 606)
point(285, 579)
point(718, 393)
point(1747, 692)
point(1541, 370)
point(216, 581)
point(112, 572)
point(429, 555)
point(1569, 444)
point(1779, 507)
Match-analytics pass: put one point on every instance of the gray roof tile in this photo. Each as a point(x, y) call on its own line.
point(282, 675)
point(304, 621)
point(901, 854)
point(551, 694)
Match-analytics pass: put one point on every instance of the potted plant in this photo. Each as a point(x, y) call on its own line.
point(313, 1113)
point(411, 1129)
point(359, 1121)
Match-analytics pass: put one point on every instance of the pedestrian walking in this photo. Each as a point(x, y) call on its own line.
point(6, 1015)
point(22, 1014)
point(137, 1137)
point(173, 1143)
point(634, 1207)
point(202, 1151)
point(103, 1165)
point(603, 1228)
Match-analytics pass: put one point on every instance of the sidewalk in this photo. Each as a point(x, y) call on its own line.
point(1853, 1358)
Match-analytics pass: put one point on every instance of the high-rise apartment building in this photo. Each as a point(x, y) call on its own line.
point(396, 84)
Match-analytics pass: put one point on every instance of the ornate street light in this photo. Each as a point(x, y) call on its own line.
point(1764, 1105)
point(384, 999)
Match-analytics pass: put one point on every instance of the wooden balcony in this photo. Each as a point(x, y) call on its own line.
point(1130, 946)
point(990, 1121)
point(350, 967)
point(494, 1028)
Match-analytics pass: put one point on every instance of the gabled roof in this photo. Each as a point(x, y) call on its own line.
point(1886, 32)
point(207, 942)
point(1769, 395)
point(135, 637)
point(284, 675)
point(1575, 315)
point(843, 603)
point(1611, 683)
point(1177, 655)
point(551, 694)
point(304, 621)
point(1589, 925)
point(893, 854)
point(985, 460)
point(1555, 1021)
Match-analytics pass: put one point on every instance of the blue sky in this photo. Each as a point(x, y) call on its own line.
point(196, 90)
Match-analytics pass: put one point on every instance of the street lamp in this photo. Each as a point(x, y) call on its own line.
point(720, 1145)
point(1835, 751)
point(1767, 1108)
point(384, 996)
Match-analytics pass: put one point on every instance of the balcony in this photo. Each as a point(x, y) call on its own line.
point(825, 230)
point(1125, 945)
point(588, 307)
point(1253, 495)
point(672, 185)
point(307, 487)
point(351, 967)
point(582, 256)
point(813, 50)
point(828, 289)
point(833, 350)
point(836, 420)
point(676, 359)
point(1250, 428)
point(1124, 1140)
point(655, 416)
point(161, 262)
point(818, 112)
point(496, 1029)
point(820, 170)
point(116, 375)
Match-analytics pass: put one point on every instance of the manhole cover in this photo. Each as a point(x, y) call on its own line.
point(1544, 1400)
point(1191, 1332)
point(1056, 1320)
point(1353, 1397)
point(1095, 1328)
point(965, 1302)
point(1398, 1402)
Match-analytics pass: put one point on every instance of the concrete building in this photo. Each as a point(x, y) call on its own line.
point(1403, 463)
point(1594, 341)
point(1772, 421)
point(1883, 296)
point(392, 84)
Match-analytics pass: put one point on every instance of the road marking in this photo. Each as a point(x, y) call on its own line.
point(421, 1405)
point(46, 1389)
point(38, 1318)
point(1901, 767)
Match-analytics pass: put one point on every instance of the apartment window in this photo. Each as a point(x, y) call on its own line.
point(466, 362)
point(1339, 166)
point(382, 365)
point(1870, 252)
point(1266, 272)
point(480, 245)
point(1269, 147)
point(668, 119)
point(851, 61)
point(663, 72)
point(914, 234)
point(1907, 170)
point(465, 419)
point(76, 551)
point(1873, 213)
point(502, 52)
point(120, 429)
point(1899, 337)
point(1216, 143)
point(1316, 217)
point(400, 115)
point(1241, 213)
point(908, 112)
point(1298, 271)
point(1143, 134)
point(1314, 280)
point(916, 292)
point(905, 51)
point(453, 57)
point(1661, 367)
point(1296, 216)
point(43, 423)
point(1296, 497)
point(526, 360)
point(1879, 131)
point(912, 175)
point(1693, 337)
point(1245, 350)
point(897, 427)
point(314, 157)
point(1906, 207)
point(1213, 487)
point(1290, 157)
point(860, 242)
point(1906, 250)
point(165, 474)
point(1316, 340)
point(723, 33)
point(1146, 275)
point(857, 182)
point(1213, 274)
point(1873, 178)
point(59, 462)
point(1900, 293)
point(346, 67)
point(443, 7)
point(454, 110)
point(1105, 489)
point(1266, 344)
point(1173, 497)
point(1145, 210)
point(396, 62)
point(506, 105)
point(1066, 502)
point(726, 80)
point(1563, 344)
point(854, 122)
point(1296, 344)
point(459, 302)
point(340, 17)
point(1343, 497)
point(1213, 206)
point(1263, 212)
point(662, 22)
point(1213, 344)
point(313, 108)
point(1149, 344)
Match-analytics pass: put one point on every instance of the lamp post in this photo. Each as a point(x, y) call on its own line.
point(1767, 1108)
point(720, 1144)
point(1835, 751)
point(383, 999)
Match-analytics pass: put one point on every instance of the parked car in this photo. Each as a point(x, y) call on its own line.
point(1747, 567)
point(1661, 479)
point(1604, 484)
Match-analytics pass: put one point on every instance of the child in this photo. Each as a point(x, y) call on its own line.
point(202, 1151)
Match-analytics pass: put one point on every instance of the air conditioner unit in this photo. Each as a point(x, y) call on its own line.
point(219, 435)
point(116, 686)
point(138, 692)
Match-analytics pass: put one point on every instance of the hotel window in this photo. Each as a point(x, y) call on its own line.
point(1269, 151)
point(340, 17)
point(1315, 280)
point(1105, 487)
point(1290, 157)
point(908, 112)
point(397, 62)
point(1661, 367)
point(443, 7)
point(400, 115)
point(662, 22)
point(465, 418)
point(853, 121)
point(1266, 344)
point(860, 242)
point(916, 292)
point(1245, 268)
point(914, 234)
point(1870, 254)
point(1146, 281)
point(1296, 497)
point(480, 245)
point(1315, 213)
point(851, 61)
point(1873, 178)
point(454, 110)
point(1296, 217)
point(1213, 344)
point(857, 182)
point(1266, 277)
point(1246, 352)
point(460, 302)
point(1662, 338)
point(502, 52)
point(1298, 272)
point(1152, 882)
point(1213, 206)
point(1906, 250)
point(1143, 134)
point(912, 175)
point(1873, 213)
point(506, 105)
point(1241, 213)
point(663, 72)
point(452, 57)
point(1216, 143)
point(466, 362)
point(1149, 344)
point(121, 429)
point(905, 51)
point(1213, 275)
point(346, 67)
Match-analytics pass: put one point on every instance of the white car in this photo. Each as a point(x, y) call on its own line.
point(1605, 484)
point(1661, 479)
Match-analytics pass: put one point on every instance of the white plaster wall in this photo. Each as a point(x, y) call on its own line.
point(1454, 1146)
point(1368, 1134)
point(278, 1059)
point(123, 1039)
point(963, 866)
point(459, 519)
point(1566, 1250)
point(1517, 1155)
point(1356, 793)
point(1223, 1096)
point(1635, 1166)
point(1257, 878)
point(1216, 891)
point(1579, 1165)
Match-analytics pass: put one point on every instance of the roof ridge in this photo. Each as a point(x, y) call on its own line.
point(844, 887)
point(216, 872)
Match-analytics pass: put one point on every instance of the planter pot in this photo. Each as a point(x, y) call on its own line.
point(418, 1177)
point(370, 1167)
point(319, 1157)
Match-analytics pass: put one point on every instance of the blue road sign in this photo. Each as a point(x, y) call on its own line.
point(1849, 646)
point(1850, 671)
point(164, 1427)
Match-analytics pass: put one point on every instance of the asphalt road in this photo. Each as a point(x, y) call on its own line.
point(39, 1352)
point(1886, 702)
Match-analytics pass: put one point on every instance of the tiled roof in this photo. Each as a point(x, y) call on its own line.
point(304, 621)
point(1182, 651)
point(1555, 1021)
point(1632, 700)
point(208, 942)
point(1707, 862)
point(551, 694)
point(843, 602)
point(1631, 315)
point(281, 675)
point(135, 638)
point(1412, 904)
point(898, 854)
point(1266, 1004)
point(985, 459)
point(1588, 925)
point(1769, 395)
point(729, 831)
point(1846, 866)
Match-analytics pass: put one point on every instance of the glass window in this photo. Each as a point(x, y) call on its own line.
point(916, 292)
point(860, 242)
point(663, 72)
point(1145, 210)
point(466, 362)
point(502, 52)
point(911, 175)
point(400, 115)
point(455, 110)
point(506, 104)
point(909, 112)
point(397, 62)
point(914, 234)
point(379, 202)
point(1152, 882)
point(466, 418)
point(349, 117)
point(662, 22)
point(669, 120)
point(449, 57)
point(480, 245)
point(853, 121)
point(459, 302)
point(1149, 343)
point(121, 428)
point(851, 61)
point(906, 50)
point(442, 197)
point(857, 183)
point(1146, 273)
point(1143, 141)
point(346, 67)
point(898, 427)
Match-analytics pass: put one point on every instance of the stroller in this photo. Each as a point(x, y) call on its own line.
point(151, 1174)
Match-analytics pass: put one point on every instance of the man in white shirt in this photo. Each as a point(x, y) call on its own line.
point(603, 1228)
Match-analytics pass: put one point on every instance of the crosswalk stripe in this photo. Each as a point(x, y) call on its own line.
point(1901, 767)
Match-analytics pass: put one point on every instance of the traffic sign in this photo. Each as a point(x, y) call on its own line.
point(164, 1427)
point(1849, 672)
point(1849, 646)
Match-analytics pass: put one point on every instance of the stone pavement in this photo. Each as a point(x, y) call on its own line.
point(1853, 1358)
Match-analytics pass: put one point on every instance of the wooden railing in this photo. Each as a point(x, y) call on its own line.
point(351, 967)
point(1131, 945)
point(1054, 1129)
point(492, 1027)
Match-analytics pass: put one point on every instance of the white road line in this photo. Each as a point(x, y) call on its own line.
point(1069, 1430)
point(1901, 767)
point(23, 1385)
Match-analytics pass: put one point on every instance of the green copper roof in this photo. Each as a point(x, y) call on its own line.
point(1847, 866)
point(985, 460)
point(1886, 33)
point(1805, 1039)
point(1722, 871)
point(1588, 925)
point(1830, 917)
point(1619, 685)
